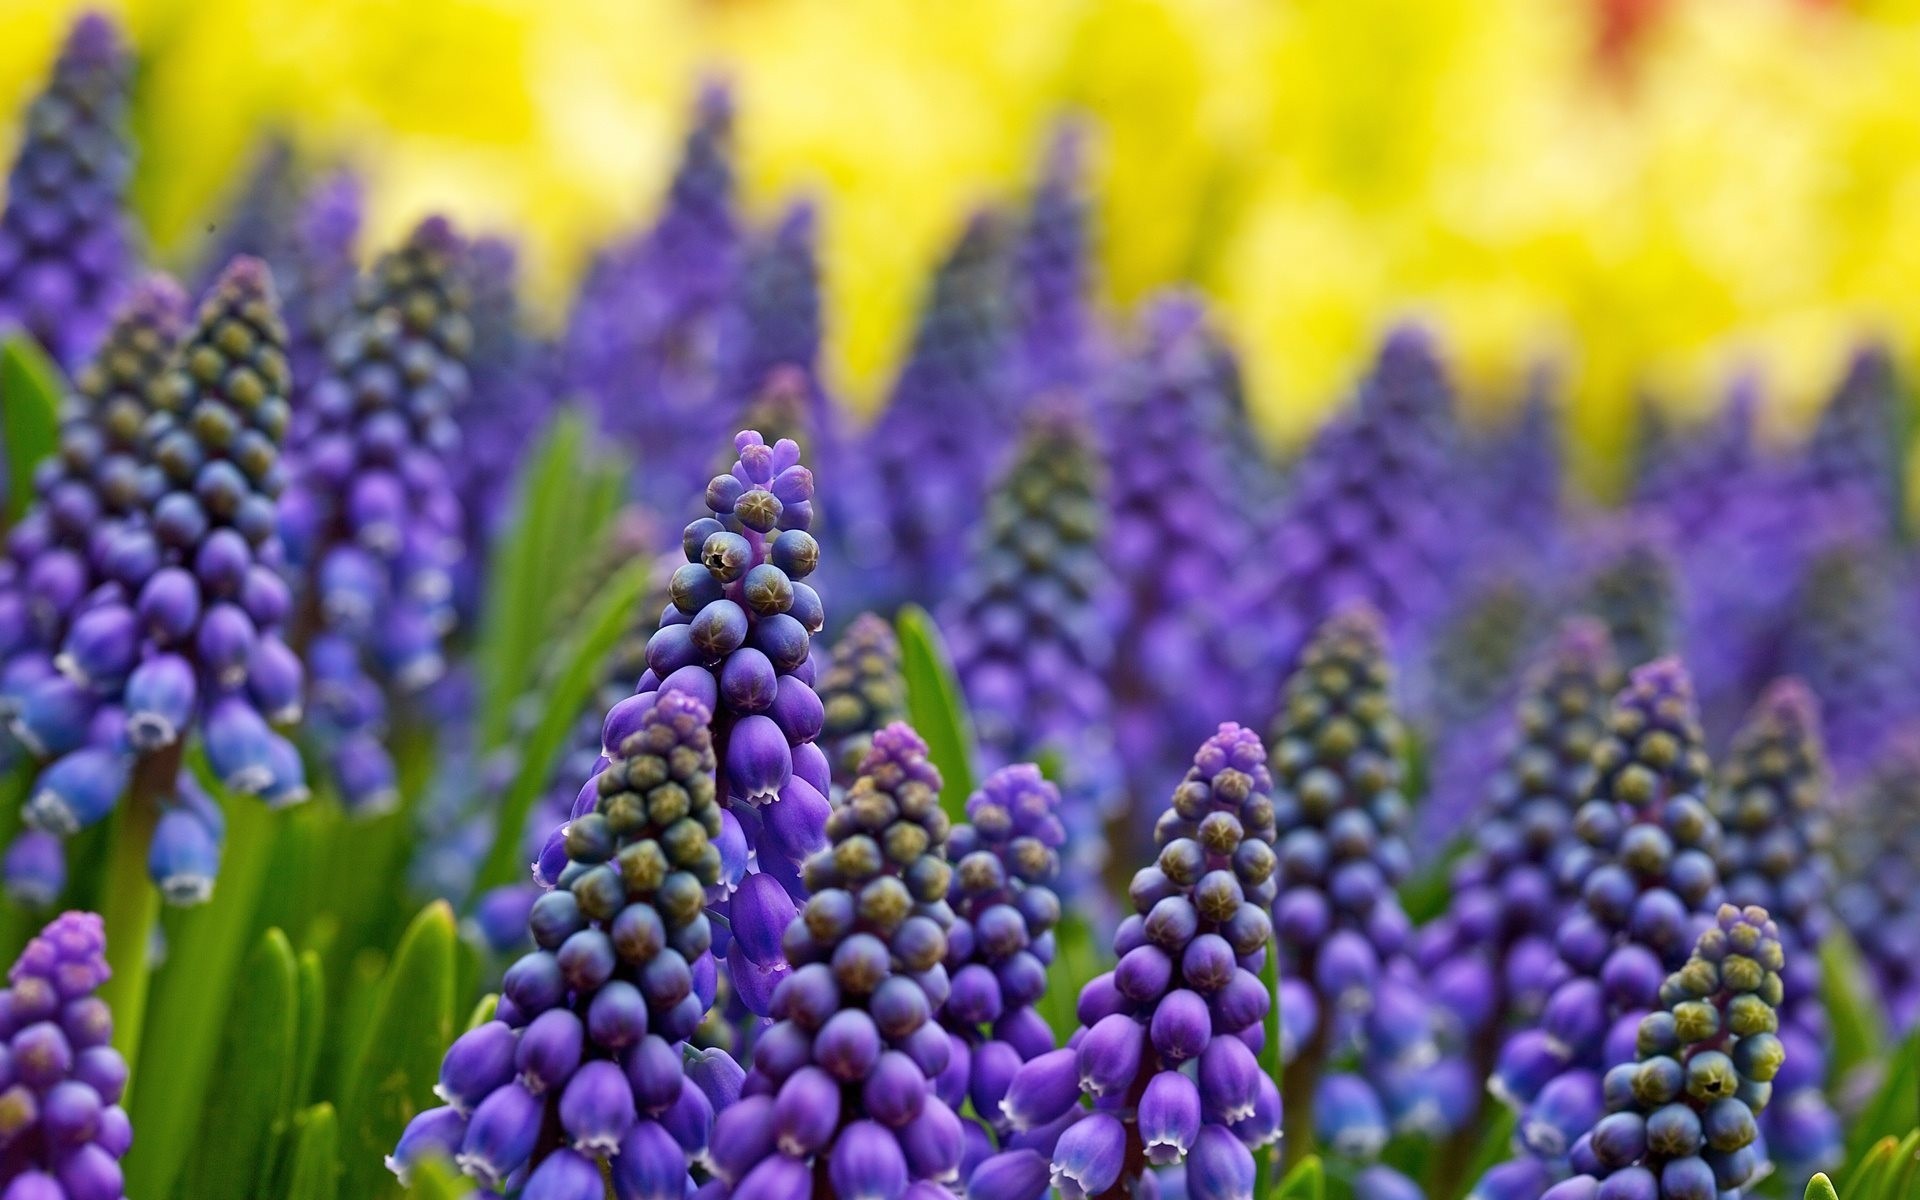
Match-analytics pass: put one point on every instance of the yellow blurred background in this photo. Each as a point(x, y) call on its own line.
point(1736, 184)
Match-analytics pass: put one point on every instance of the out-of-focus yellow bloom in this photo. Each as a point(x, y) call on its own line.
point(1744, 193)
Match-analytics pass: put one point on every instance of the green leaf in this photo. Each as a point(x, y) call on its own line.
point(435, 1180)
point(189, 1001)
point(315, 1173)
point(252, 1078)
point(1307, 1181)
point(392, 1078)
point(1894, 1110)
point(313, 1026)
point(565, 500)
point(1076, 959)
point(1853, 1006)
point(1267, 1161)
point(482, 1012)
point(606, 620)
point(935, 707)
point(1820, 1188)
point(1868, 1180)
point(1903, 1173)
point(1496, 1140)
point(1426, 894)
point(30, 390)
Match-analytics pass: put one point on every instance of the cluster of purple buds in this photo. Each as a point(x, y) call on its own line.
point(62, 1130)
point(1879, 899)
point(318, 276)
point(1054, 345)
point(1178, 529)
point(375, 521)
point(1168, 1047)
point(737, 633)
point(1029, 632)
point(1851, 640)
point(1490, 956)
point(582, 1065)
point(775, 326)
point(1772, 800)
point(1005, 862)
point(1357, 1022)
point(933, 453)
point(843, 1090)
point(1647, 884)
point(1630, 584)
point(1682, 1110)
point(184, 625)
point(64, 235)
point(862, 692)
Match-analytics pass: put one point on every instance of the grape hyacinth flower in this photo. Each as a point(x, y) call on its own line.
point(862, 692)
point(775, 325)
point(1168, 1049)
point(375, 522)
point(1852, 459)
point(1339, 818)
point(62, 1130)
point(1367, 516)
point(1516, 481)
point(1879, 898)
point(1006, 859)
point(1490, 956)
point(582, 1066)
point(643, 337)
point(842, 1091)
point(259, 214)
point(1028, 630)
point(1055, 336)
point(738, 633)
point(1630, 583)
point(1773, 801)
point(1682, 1119)
point(65, 238)
point(1176, 538)
point(935, 449)
point(319, 274)
point(1647, 884)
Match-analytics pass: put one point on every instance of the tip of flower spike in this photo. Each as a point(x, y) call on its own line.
point(70, 953)
point(799, 224)
point(1583, 643)
point(1789, 708)
point(1174, 315)
point(1355, 629)
point(157, 300)
point(1232, 746)
point(93, 40)
point(435, 235)
point(898, 745)
point(1066, 153)
point(1661, 684)
point(244, 279)
point(713, 106)
point(331, 216)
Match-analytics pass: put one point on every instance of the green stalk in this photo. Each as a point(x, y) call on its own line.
point(130, 904)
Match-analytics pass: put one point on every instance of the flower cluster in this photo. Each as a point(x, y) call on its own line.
point(1646, 884)
point(65, 240)
point(1879, 898)
point(738, 633)
point(1852, 642)
point(318, 275)
point(1366, 517)
point(1777, 854)
point(862, 692)
point(1006, 859)
point(1630, 584)
point(1169, 1042)
point(374, 519)
point(62, 1130)
point(843, 1082)
point(1028, 627)
point(1681, 1119)
point(582, 1065)
point(1053, 341)
point(1358, 1025)
point(775, 323)
point(1490, 956)
point(1178, 528)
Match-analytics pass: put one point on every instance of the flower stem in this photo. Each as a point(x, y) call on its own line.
point(130, 904)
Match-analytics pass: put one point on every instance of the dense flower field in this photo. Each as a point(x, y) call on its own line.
point(1041, 787)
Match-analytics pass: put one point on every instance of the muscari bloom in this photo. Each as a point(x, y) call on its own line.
point(65, 250)
point(1358, 1025)
point(583, 1064)
point(843, 1083)
point(862, 692)
point(1774, 803)
point(374, 521)
point(932, 454)
point(62, 1130)
point(1490, 957)
point(1629, 583)
point(1054, 343)
point(643, 337)
point(260, 213)
point(1028, 629)
point(1168, 1047)
point(1879, 896)
point(1006, 859)
point(1179, 527)
point(1683, 1107)
point(318, 273)
point(1367, 518)
point(737, 633)
point(1647, 885)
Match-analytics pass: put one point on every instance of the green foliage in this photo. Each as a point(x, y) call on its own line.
point(935, 707)
point(1821, 1188)
point(584, 654)
point(252, 1082)
point(30, 390)
point(1268, 1161)
point(1853, 1007)
point(315, 1170)
point(435, 1180)
point(566, 498)
point(1307, 1181)
point(1895, 1108)
point(392, 1076)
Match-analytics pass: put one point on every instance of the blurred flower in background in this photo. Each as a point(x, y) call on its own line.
point(1650, 192)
